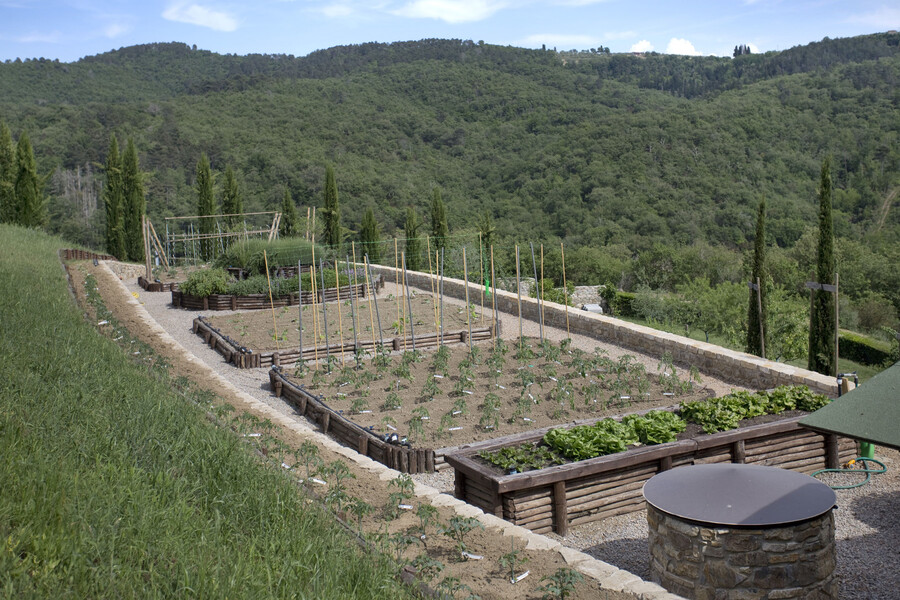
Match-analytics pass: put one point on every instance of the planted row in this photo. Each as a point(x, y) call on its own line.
point(217, 281)
point(610, 436)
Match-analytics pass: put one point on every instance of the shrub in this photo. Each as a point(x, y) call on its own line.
point(205, 282)
point(862, 349)
point(624, 304)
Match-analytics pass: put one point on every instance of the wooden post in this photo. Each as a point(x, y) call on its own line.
point(300, 302)
point(468, 312)
point(481, 274)
point(432, 278)
point(315, 315)
point(397, 284)
point(738, 452)
point(324, 312)
point(538, 295)
point(271, 303)
point(354, 288)
point(541, 294)
point(762, 330)
point(412, 330)
point(832, 460)
point(337, 288)
point(560, 508)
point(837, 327)
point(375, 300)
point(371, 299)
point(307, 224)
point(441, 297)
point(565, 286)
point(146, 237)
point(494, 303)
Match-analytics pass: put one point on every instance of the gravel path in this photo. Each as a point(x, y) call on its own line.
point(867, 519)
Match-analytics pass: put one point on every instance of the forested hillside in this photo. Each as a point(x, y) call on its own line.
point(648, 167)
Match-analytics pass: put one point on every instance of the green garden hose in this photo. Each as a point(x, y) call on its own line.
point(865, 469)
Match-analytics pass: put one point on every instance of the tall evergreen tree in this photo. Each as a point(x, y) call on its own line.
point(332, 210)
point(756, 339)
point(206, 205)
point(114, 202)
point(821, 318)
point(7, 175)
point(31, 206)
point(135, 205)
point(232, 202)
point(413, 243)
point(288, 225)
point(370, 237)
point(439, 229)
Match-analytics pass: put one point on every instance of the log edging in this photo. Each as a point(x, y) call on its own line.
point(555, 498)
point(77, 254)
point(261, 301)
point(403, 458)
point(156, 286)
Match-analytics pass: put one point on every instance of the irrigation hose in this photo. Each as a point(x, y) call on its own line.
point(850, 469)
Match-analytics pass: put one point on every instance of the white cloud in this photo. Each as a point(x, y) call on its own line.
point(561, 40)
point(451, 11)
point(203, 16)
point(642, 46)
point(882, 19)
point(115, 30)
point(681, 46)
point(337, 11)
point(753, 48)
point(51, 37)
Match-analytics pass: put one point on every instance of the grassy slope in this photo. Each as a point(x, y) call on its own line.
point(113, 486)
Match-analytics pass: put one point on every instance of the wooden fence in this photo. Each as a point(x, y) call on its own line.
point(396, 456)
point(248, 358)
point(76, 254)
point(260, 301)
point(554, 498)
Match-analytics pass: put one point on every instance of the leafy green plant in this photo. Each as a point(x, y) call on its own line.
point(359, 508)
point(205, 282)
point(525, 457)
point(560, 584)
point(427, 568)
point(511, 559)
point(490, 412)
point(457, 528)
point(404, 488)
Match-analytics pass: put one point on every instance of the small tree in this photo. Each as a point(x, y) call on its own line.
point(439, 229)
point(288, 225)
point(134, 205)
point(7, 175)
point(821, 318)
point(332, 210)
point(232, 202)
point(413, 243)
point(369, 236)
point(31, 206)
point(114, 202)
point(757, 309)
point(206, 206)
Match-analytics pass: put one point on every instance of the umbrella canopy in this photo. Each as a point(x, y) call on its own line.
point(869, 413)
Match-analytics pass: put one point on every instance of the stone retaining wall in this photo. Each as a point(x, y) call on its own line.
point(738, 367)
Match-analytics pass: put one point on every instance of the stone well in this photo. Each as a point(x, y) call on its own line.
point(729, 532)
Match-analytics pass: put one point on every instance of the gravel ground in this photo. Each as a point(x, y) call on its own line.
point(867, 518)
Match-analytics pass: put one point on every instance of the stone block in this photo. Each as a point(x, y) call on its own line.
point(774, 577)
point(741, 543)
point(719, 574)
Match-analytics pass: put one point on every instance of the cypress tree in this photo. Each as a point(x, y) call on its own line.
point(133, 190)
point(7, 175)
point(413, 244)
point(288, 225)
point(821, 318)
point(332, 235)
point(755, 316)
point(369, 236)
point(114, 202)
point(439, 229)
point(206, 205)
point(30, 204)
point(232, 203)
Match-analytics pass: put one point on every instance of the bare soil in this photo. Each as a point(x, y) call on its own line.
point(499, 395)
point(256, 330)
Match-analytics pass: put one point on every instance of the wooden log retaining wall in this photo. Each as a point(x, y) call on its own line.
point(76, 254)
point(156, 286)
point(401, 458)
point(247, 358)
point(555, 498)
point(260, 301)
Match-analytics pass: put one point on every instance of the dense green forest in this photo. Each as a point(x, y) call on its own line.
point(648, 167)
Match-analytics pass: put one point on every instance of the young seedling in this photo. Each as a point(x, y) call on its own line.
point(359, 404)
point(430, 390)
point(309, 454)
point(405, 488)
point(451, 586)
point(428, 515)
point(511, 559)
point(490, 412)
point(417, 422)
point(392, 401)
point(426, 567)
point(359, 508)
point(457, 528)
point(561, 584)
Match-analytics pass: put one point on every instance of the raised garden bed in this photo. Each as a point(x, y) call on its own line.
point(394, 455)
point(157, 286)
point(260, 301)
point(553, 498)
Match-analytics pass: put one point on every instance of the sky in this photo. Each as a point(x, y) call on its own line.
point(71, 29)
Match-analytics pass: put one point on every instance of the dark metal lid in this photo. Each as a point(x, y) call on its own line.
point(739, 495)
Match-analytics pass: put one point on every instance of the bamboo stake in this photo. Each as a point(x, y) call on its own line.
point(325, 314)
point(315, 312)
point(300, 306)
point(400, 294)
point(762, 331)
point(541, 295)
point(468, 312)
point(337, 290)
point(271, 303)
point(371, 294)
point(493, 302)
point(375, 300)
point(412, 330)
point(837, 327)
point(442, 296)
point(481, 274)
point(353, 301)
point(565, 286)
point(431, 281)
point(536, 282)
point(519, 296)
point(145, 235)
point(307, 224)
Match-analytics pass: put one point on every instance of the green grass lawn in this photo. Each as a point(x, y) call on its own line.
point(114, 486)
